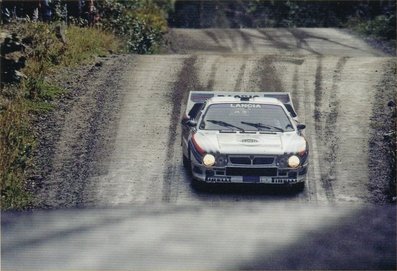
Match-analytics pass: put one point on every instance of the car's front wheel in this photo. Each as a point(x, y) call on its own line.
point(299, 187)
point(186, 161)
point(198, 185)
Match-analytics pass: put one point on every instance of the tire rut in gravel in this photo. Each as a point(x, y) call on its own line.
point(239, 80)
point(318, 92)
point(329, 135)
point(232, 37)
point(187, 80)
point(246, 40)
point(301, 43)
point(212, 36)
point(211, 81)
point(382, 142)
point(277, 43)
point(294, 90)
point(268, 76)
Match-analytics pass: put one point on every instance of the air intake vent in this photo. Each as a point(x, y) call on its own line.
point(240, 160)
point(237, 171)
point(263, 160)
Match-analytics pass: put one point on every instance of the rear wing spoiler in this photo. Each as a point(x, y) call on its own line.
point(197, 98)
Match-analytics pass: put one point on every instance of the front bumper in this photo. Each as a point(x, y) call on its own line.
point(261, 175)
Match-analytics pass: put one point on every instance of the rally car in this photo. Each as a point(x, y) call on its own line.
point(244, 137)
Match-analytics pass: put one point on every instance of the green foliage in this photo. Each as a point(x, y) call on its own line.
point(141, 38)
point(141, 23)
point(46, 91)
point(43, 48)
point(16, 144)
point(382, 26)
point(46, 52)
point(375, 17)
point(84, 44)
point(60, 10)
point(13, 193)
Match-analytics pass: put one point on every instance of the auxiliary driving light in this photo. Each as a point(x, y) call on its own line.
point(221, 161)
point(208, 160)
point(293, 161)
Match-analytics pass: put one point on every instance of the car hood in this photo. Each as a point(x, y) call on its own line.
point(250, 143)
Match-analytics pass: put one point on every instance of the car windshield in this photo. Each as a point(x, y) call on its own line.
point(246, 117)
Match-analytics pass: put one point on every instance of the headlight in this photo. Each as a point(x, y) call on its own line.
point(208, 160)
point(293, 161)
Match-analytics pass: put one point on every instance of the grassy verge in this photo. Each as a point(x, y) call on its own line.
point(46, 53)
point(16, 144)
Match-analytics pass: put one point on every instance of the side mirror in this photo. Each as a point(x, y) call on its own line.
point(301, 126)
point(191, 123)
point(185, 120)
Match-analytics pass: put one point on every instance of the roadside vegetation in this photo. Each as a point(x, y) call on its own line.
point(376, 18)
point(141, 23)
point(37, 47)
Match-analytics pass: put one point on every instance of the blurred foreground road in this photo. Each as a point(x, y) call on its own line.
point(200, 237)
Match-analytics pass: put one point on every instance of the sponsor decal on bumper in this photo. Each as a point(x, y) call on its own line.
point(283, 181)
point(218, 179)
point(250, 179)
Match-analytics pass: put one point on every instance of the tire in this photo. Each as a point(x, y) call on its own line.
point(197, 185)
point(299, 187)
point(186, 161)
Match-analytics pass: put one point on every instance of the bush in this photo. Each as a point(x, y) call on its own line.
point(382, 26)
point(141, 23)
point(45, 51)
point(285, 13)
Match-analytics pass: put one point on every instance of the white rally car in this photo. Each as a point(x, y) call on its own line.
point(244, 137)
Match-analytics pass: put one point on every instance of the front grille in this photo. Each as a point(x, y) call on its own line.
point(240, 160)
point(237, 171)
point(246, 160)
point(263, 160)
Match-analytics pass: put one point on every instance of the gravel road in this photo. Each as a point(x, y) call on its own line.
point(116, 140)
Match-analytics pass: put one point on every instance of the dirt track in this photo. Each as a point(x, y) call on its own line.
point(118, 140)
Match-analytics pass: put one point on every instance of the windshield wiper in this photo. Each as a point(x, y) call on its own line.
point(259, 125)
point(225, 124)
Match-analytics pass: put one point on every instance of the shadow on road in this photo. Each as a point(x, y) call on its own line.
point(246, 189)
point(364, 241)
